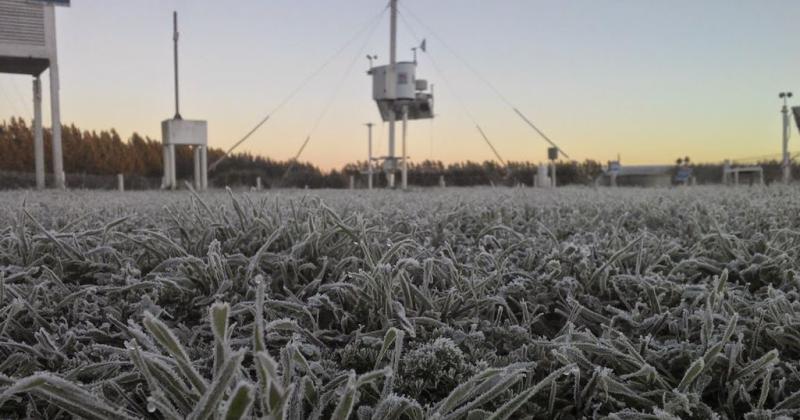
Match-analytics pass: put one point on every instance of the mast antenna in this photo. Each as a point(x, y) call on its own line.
point(175, 50)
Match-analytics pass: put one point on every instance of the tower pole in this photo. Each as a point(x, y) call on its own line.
point(391, 81)
point(175, 56)
point(392, 50)
point(369, 155)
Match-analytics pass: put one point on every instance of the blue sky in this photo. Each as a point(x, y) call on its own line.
point(648, 80)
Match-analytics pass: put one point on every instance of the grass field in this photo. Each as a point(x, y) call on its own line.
point(447, 304)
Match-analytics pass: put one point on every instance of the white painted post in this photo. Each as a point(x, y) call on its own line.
point(726, 172)
point(38, 133)
point(120, 182)
point(204, 167)
point(165, 178)
point(542, 180)
point(55, 108)
point(392, 160)
point(55, 116)
point(352, 182)
point(198, 178)
point(173, 179)
point(258, 183)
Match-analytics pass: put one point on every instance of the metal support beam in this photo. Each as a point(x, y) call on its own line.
point(38, 133)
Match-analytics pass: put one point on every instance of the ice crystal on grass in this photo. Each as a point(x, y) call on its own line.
point(456, 304)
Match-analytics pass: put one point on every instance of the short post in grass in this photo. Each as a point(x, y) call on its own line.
point(552, 155)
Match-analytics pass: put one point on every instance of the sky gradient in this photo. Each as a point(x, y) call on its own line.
point(648, 80)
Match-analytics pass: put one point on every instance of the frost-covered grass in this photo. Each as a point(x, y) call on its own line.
point(470, 304)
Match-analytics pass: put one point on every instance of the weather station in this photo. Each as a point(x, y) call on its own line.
point(180, 132)
point(399, 95)
point(28, 46)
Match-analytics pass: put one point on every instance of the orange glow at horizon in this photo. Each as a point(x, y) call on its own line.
point(650, 82)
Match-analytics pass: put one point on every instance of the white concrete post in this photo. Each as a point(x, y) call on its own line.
point(55, 112)
point(726, 172)
point(38, 133)
point(165, 178)
point(352, 182)
point(55, 108)
point(392, 161)
point(553, 166)
point(173, 179)
point(542, 180)
point(120, 182)
point(198, 178)
point(405, 155)
point(258, 183)
point(204, 167)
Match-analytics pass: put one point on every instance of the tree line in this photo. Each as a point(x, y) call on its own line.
point(105, 153)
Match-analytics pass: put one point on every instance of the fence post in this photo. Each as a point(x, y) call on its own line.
point(258, 183)
point(120, 182)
